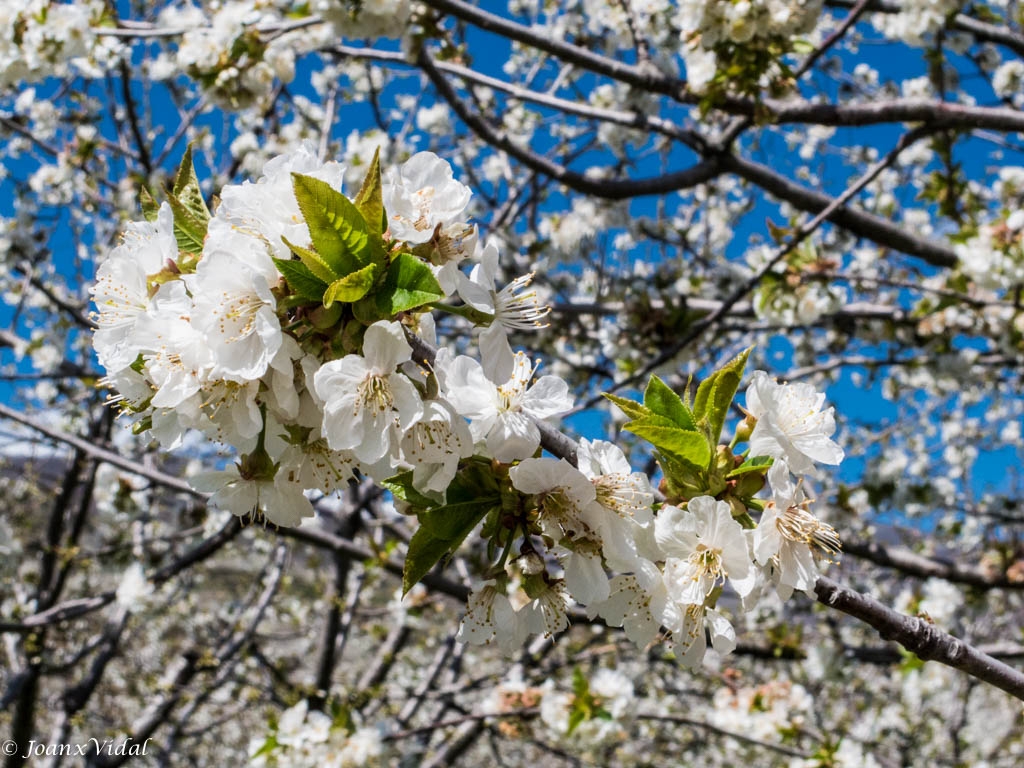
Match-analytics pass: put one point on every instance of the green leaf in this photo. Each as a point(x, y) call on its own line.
point(629, 407)
point(660, 399)
point(453, 522)
point(580, 684)
point(189, 229)
point(753, 464)
point(186, 189)
point(665, 435)
point(370, 200)
point(409, 284)
point(301, 280)
point(312, 260)
point(150, 207)
point(401, 486)
point(441, 531)
point(716, 392)
point(336, 226)
point(268, 746)
point(576, 716)
point(191, 216)
point(425, 551)
point(367, 312)
point(351, 287)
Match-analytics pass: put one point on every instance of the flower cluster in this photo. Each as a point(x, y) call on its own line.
point(210, 323)
point(283, 326)
point(237, 50)
point(225, 51)
point(915, 20)
point(305, 737)
point(748, 33)
point(994, 256)
point(42, 38)
point(355, 18)
point(597, 713)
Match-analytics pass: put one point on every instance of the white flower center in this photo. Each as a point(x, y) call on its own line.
point(239, 310)
point(431, 442)
point(374, 394)
point(565, 511)
point(707, 562)
point(510, 394)
point(615, 492)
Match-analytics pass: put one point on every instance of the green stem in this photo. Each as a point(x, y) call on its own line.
point(475, 316)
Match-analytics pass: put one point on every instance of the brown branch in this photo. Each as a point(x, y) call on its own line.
point(920, 637)
point(923, 567)
point(860, 223)
point(608, 189)
point(645, 78)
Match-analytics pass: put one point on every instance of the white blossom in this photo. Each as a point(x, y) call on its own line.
point(791, 424)
point(504, 414)
point(366, 400)
point(703, 547)
point(788, 534)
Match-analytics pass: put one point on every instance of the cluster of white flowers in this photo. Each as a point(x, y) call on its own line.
point(994, 257)
point(300, 358)
point(365, 18)
point(1008, 81)
point(608, 698)
point(915, 20)
point(762, 712)
point(42, 38)
point(239, 49)
point(598, 712)
point(670, 566)
point(224, 51)
point(202, 341)
point(307, 738)
point(705, 25)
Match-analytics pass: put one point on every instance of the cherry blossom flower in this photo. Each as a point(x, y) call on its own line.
point(274, 499)
point(637, 602)
point(366, 401)
point(121, 290)
point(788, 534)
point(234, 307)
point(504, 414)
point(548, 614)
point(696, 622)
point(513, 308)
point(490, 615)
point(791, 424)
point(421, 196)
point(433, 444)
point(627, 497)
point(703, 546)
point(570, 515)
point(267, 209)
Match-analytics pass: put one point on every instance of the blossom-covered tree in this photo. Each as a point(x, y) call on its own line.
point(598, 382)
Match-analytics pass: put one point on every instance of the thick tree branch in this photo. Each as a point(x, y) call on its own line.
point(862, 224)
point(608, 189)
point(920, 637)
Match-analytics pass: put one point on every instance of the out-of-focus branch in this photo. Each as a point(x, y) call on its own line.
point(645, 78)
point(687, 721)
point(608, 189)
point(194, 662)
point(923, 567)
point(860, 223)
